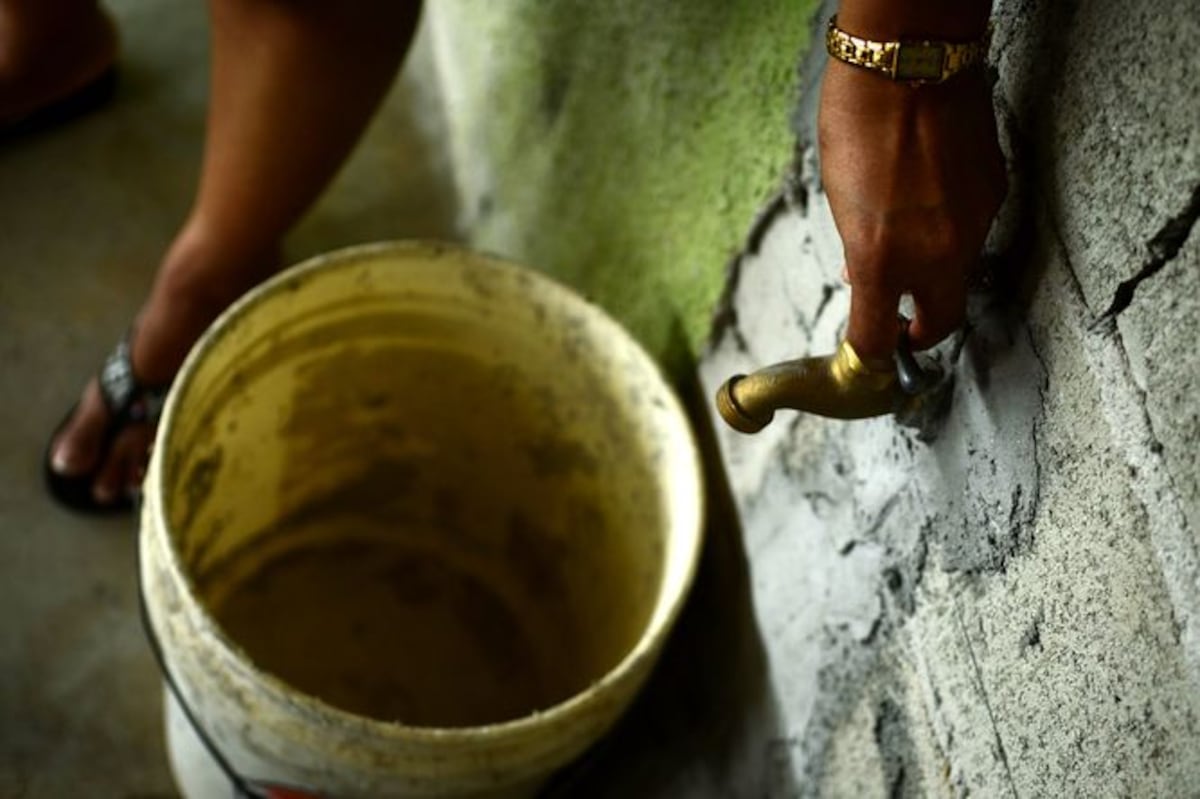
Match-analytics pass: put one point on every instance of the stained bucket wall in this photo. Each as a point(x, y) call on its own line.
point(417, 524)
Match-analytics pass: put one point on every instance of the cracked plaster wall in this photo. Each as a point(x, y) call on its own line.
point(1014, 608)
point(1010, 610)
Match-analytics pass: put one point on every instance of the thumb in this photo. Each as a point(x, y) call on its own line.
point(873, 328)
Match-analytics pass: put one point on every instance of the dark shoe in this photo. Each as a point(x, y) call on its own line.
point(128, 402)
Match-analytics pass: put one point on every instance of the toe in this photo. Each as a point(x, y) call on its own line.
point(76, 449)
point(138, 454)
point(107, 485)
point(121, 471)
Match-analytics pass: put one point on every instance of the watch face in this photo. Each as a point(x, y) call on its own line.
point(920, 61)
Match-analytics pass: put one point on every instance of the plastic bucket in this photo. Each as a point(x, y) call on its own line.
point(416, 524)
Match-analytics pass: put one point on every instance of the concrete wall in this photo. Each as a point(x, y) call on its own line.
point(1014, 608)
point(1011, 608)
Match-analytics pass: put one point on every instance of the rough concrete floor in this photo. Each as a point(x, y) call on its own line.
point(85, 210)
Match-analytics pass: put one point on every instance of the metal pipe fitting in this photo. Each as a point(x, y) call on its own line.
point(839, 386)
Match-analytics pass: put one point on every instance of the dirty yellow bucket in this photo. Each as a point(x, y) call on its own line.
point(416, 524)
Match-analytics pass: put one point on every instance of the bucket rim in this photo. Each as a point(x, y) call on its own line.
point(668, 604)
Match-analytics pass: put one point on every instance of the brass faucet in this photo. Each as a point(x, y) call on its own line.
point(841, 386)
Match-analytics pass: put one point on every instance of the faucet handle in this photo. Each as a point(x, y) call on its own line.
point(914, 378)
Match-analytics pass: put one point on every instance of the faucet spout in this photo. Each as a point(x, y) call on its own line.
point(840, 386)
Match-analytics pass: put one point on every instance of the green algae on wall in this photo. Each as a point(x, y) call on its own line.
point(624, 147)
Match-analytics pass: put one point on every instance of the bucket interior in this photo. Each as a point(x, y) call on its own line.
point(425, 488)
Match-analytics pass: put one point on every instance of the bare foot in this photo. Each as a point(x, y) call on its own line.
point(45, 55)
point(79, 450)
point(192, 288)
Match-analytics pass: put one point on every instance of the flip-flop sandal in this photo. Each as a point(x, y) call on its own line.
point(128, 402)
point(83, 100)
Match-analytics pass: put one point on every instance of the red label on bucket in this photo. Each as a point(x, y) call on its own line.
point(289, 793)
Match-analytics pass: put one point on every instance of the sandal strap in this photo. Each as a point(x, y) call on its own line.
point(125, 397)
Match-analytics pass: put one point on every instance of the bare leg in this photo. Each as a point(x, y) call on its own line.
point(48, 49)
point(294, 83)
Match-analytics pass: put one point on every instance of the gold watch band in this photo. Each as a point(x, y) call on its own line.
point(912, 62)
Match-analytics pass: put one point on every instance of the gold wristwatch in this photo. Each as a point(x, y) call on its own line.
point(912, 61)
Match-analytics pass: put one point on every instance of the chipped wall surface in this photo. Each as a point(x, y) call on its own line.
point(1010, 609)
point(1014, 608)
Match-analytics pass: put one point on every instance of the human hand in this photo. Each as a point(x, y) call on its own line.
point(914, 177)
